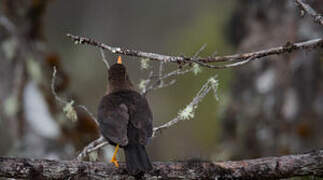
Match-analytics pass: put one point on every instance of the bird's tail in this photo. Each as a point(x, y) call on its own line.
point(137, 159)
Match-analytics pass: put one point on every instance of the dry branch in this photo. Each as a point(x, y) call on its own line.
point(244, 57)
point(309, 10)
point(93, 146)
point(238, 59)
point(188, 112)
point(66, 103)
point(263, 168)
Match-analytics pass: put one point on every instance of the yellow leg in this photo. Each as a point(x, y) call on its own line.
point(114, 159)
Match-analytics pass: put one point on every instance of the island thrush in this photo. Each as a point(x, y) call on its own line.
point(125, 120)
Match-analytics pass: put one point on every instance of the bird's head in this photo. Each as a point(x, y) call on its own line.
point(118, 77)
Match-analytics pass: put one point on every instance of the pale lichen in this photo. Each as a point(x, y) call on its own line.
point(187, 113)
point(196, 69)
point(143, 84)
point(144, 63)
point(70, 112)
point(214, 83)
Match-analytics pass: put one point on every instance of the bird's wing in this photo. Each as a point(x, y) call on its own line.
point(113, 119)
point(141, 118)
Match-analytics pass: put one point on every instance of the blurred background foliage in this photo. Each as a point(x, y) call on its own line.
point(247, 121)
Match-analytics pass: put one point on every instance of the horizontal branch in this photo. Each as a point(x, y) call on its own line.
point(244, 57)
point(308, 9)
point(263, 168)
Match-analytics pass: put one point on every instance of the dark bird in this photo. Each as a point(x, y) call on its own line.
point(125, 120)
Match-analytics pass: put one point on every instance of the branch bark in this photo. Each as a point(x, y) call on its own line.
point(263, 168)
point(93, 146)
point(240, 58)
point(317, 18)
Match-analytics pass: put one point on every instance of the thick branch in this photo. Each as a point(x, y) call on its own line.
point(244, 57)
point(316, 17)
point(262, 168)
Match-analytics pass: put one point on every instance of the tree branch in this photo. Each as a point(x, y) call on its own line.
point(307, 8)
point(244, 57)
point(93, 146)
point(188, 112)
point(263, 168)
point(66, 103)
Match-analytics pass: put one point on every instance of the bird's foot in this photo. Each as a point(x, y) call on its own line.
point(114, 161)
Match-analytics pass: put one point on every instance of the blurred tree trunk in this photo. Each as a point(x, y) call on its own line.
point(276, 105)
point(20, 31)
point(31, 122)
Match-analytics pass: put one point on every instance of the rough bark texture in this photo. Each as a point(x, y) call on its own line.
point(263, 168)
point(276, 105)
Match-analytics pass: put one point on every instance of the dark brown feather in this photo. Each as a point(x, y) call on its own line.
point(117, 109)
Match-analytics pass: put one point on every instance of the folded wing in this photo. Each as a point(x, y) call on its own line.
point(113, 117)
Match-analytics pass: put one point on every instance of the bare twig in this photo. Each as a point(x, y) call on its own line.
point(160, 74)
point(89, 112)
point(307, 8)
point(161, 69)
point(162, 85)
point(307, 164)
point(188, 112)
point(289, 47)
point(197, 53)
point(64, 102)
point(239, 63)
point(157, 84)
point(104, 59)
point(93, 146)
point(144, 84)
